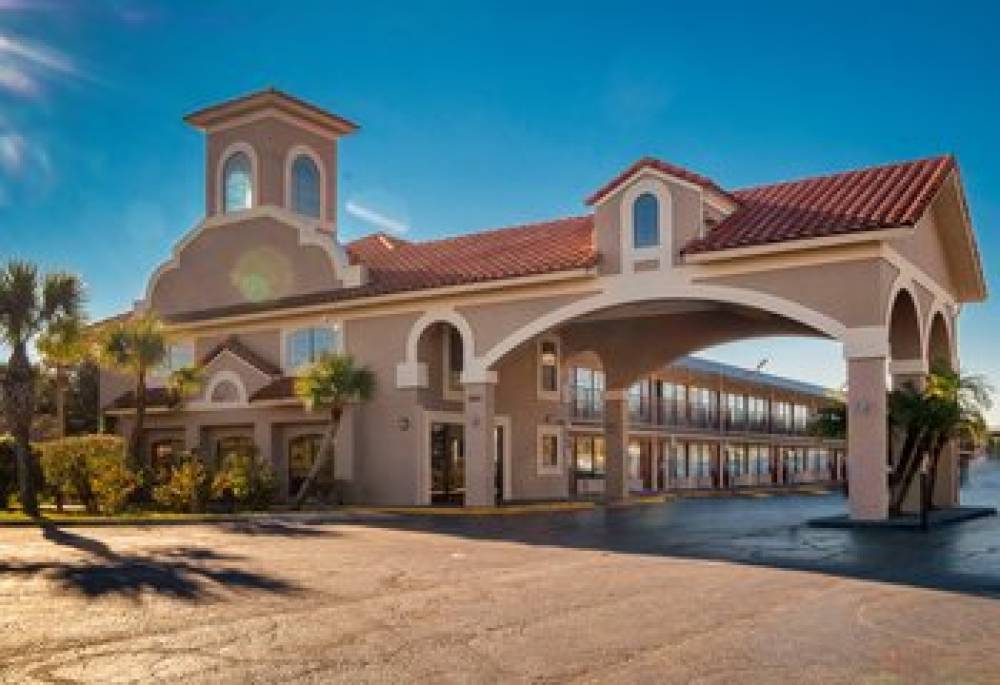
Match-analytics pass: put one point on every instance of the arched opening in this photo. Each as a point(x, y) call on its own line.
point(237, 183)
point(306, 196)
point(939, 347)
point(904, 328)
point(637, 420)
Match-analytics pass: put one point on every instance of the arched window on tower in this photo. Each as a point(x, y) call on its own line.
point(305, 187)
point(646, 221)
point(237, 183)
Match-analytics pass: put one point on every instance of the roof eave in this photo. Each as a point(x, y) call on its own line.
point(797, 245)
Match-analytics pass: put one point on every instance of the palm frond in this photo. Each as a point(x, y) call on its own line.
point(62, 297)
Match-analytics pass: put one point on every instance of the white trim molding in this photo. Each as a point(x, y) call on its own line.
point(224, 376)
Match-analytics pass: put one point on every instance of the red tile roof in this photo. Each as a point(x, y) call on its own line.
point(279, 389)
point(233, 345)
point(888, 196)
point(658, 165)
point(395, 265)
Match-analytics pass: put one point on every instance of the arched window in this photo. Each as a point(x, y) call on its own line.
point(225, 392)
point(305, 187)
point(237, 188)
point(646, 221)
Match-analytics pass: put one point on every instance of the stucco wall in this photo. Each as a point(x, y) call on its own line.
point(822, 287)
point(925, 248)
point(251, 261)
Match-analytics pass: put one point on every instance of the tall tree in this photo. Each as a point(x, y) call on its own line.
point(30, 304)
point(63, 347)
point(332, 383)
point(134, 347)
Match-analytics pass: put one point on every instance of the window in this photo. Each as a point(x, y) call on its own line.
point(638, 402)
point(178, 355)
point(305, 187)
point(454, 358)
point(588, 393)
point(646, 221)
point(302, 454)
point(634, 455)
point(736, 460)
point(307, 345)
point(680, 461)
point(225, 392)
point(549, 461)
point(800, 417)
point(700, 460)
point(235, 446)
point(237, 183)
point(548, 360)
point(782, 415)
point(589, 455)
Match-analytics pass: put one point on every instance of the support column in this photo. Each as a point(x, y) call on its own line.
point(192, 438)
point(654, 463)
point(480, 445)
point(616, 445)
point(867, 440)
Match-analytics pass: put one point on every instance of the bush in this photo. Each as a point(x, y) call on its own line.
point(243, 479)
point(184, 488)
point(90, 468)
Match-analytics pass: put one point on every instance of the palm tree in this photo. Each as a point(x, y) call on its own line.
point(332, 383)
point(135, 346)
point(184, 383)
point(950, 407)
point(63, 346)
point(30, 304)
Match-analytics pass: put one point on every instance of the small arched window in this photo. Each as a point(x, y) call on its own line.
point(237, 188)
point(305, 187)
point(225, 392)
point(646, 221)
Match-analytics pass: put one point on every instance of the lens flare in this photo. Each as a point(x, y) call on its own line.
point(262, 274)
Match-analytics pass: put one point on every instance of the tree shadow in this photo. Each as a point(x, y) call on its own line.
point(184, 573)
point(276, 528)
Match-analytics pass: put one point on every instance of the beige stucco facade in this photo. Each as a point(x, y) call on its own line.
point(262, 275)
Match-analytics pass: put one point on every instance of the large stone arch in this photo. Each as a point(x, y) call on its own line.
point(650, 290)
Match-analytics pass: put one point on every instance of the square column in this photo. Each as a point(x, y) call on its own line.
point(616, 446)
point(867, 439)
point(480, 445)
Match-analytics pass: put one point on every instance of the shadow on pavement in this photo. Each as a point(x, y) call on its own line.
point(276, 528)
point(769, 532)
point(187, 573)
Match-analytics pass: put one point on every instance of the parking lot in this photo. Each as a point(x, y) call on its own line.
point(706, 590)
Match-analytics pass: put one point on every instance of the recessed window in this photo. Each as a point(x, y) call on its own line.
point(646, 221)
point(237, 188)
point(306, 345)
point(549, 460)
point(455, 358)
point(305, 187)
point(548, 372)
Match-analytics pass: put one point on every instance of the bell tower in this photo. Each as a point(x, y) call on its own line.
point(269, 149)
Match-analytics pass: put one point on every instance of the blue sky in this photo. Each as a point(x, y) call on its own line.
point(483, 114)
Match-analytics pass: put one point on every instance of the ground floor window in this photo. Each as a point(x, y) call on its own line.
point(680, 461)
point(163, 456)
point(303, 451)
point(736, 460)
point(589, 455)
point(234, 445)
point(759, 459)
point(700, 459)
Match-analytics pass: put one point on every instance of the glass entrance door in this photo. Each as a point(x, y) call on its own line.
point(498, 457)
point(447, 463)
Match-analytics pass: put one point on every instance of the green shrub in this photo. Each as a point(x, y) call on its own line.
point(89, 468)
point(244, 480)
point(184, 489)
